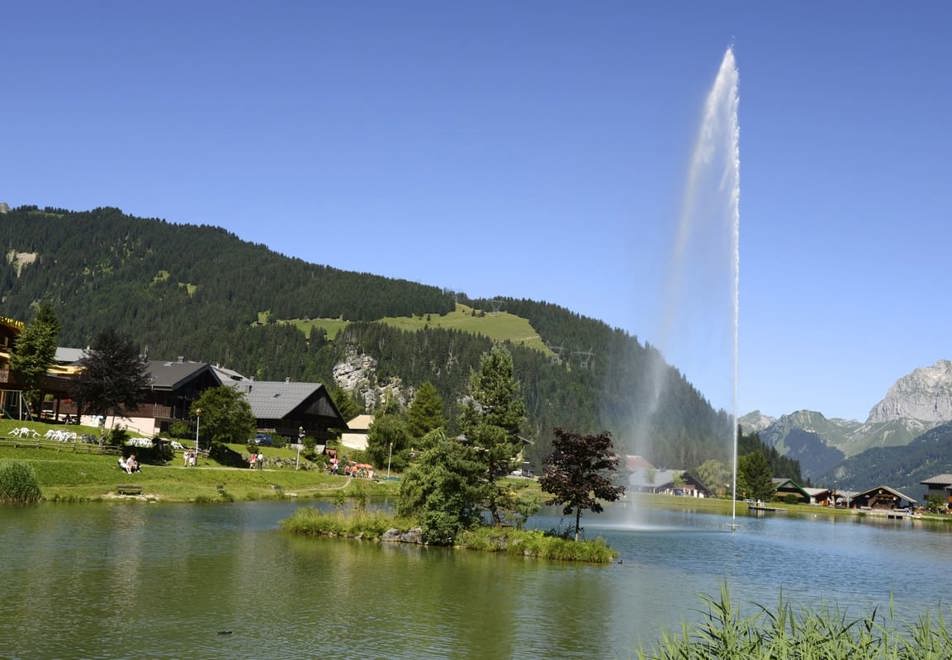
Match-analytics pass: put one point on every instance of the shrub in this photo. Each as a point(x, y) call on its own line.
point(181, 430)
point(117, 437)
point(226, 455)
point(159, 453)
point(18, 484)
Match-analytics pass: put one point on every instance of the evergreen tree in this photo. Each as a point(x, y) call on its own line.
point(444, 489)
point(491, 421)
point(225, 416)
point(578, 474)
point(113, 376)
point(754, 479)
point(426, 411)
point(33, 354)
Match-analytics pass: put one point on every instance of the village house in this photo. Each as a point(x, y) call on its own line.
point(357, 430)
point(882, 497)
point(789, 490)
point(939, 486)
point(666, 482)
point(290, 409)
point(173, 386)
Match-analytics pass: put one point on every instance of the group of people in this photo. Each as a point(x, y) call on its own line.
point(190, 457)
point(352, 469)
point(256, 461)
point(130, 464)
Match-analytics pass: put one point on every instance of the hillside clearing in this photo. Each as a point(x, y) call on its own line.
point(498, 326)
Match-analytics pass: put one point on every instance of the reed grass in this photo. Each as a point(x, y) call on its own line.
point(783, 632)
point(369, 525)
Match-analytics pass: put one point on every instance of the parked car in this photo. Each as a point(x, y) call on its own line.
point(263, 440)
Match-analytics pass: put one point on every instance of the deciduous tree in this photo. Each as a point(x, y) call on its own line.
point(388, 441)
point(225, 416)
point(578, 473)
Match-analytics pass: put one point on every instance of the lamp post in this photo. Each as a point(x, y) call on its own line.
point(389, 456)
point(297, 459)
point(198, 424)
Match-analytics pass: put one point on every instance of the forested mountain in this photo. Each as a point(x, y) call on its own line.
point(198, 291)
point(900, 467)
point(780, 465)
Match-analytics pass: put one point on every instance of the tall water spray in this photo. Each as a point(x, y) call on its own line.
point(699, 319)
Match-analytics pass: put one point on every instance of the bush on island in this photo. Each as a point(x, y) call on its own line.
point(18, 484)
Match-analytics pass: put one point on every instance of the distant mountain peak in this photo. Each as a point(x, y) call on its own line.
point(925, 394)
point(755, 421)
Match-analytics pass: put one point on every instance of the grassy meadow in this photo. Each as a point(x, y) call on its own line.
point(501, 326)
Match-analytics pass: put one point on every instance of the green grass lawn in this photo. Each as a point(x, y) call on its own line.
point(7, 425)
point(501, 326)
point(64, 474)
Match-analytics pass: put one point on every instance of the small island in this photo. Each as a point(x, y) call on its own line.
point(454, 493)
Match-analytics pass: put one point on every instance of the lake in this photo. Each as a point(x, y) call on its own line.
point(112, 580)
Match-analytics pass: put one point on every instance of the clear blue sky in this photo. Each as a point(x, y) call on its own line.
point(530, 149)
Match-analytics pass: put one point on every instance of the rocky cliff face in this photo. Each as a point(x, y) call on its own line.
point(358, 373)
point(755, 421)
point(924, 395)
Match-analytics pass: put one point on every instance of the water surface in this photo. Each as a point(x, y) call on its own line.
point(164, 580)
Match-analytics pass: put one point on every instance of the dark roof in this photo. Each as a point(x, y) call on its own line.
point(171, 375)
point(277, 399)
point(781, 482)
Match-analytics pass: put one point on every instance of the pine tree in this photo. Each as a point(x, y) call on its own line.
point(491, 422)
point(34, 352)
point(426, 411)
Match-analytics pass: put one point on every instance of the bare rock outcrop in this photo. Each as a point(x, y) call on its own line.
point(358, 373)
point(924, 395)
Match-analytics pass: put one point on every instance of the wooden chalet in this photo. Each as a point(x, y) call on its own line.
point(286, 407)
point(10, 329)
point(666, 482)
point(939, 486)
point(173, 386)
point(882, 497)
point(786, 488)
point(820, 496)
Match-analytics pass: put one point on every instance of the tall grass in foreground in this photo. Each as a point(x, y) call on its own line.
point(783, 633)
point(18, 484)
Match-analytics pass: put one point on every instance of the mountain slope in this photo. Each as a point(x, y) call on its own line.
point(900, 467)
point(203, 293)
